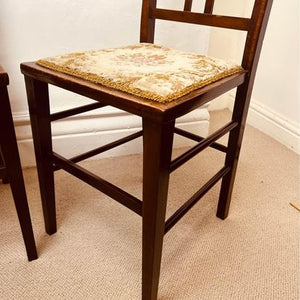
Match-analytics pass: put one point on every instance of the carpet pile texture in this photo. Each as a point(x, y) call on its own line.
point(96, 252)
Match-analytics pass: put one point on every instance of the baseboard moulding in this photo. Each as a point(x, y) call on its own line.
point(84, 132)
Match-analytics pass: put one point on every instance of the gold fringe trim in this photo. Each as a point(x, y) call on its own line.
point(135, 91)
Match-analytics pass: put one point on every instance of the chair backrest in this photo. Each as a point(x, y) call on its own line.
point(254, 26)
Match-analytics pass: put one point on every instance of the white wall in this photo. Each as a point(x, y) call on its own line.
point(225, 43)
point(275, 105)
point(280, 57)
point(32, 29)
point(276, 99)
point(35, 29)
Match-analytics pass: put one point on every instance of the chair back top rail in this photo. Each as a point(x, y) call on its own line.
point(254, 26)
point(201, 19)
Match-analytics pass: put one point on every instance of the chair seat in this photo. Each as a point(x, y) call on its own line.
point(146, 70)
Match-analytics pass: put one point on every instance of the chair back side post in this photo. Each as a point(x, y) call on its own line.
point(147, 23)
point(253, 45)
point(255, 36)
point(252, 50)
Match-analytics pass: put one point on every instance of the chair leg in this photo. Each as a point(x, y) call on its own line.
point(158, 140)
point(38, 102)
point(234, 146)
point(228, 179)
point(11, 157)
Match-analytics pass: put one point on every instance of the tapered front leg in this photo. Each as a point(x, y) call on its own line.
point(158, 140)
point(38, 102)
point(14, 174)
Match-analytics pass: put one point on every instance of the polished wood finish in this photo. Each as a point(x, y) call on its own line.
point(147, 22)
point(195, 198)
point(11, 167)
point(252, 51)
point(157, 142)
point(198, 138)
point(209, 6)
point(75, 111)
point(201, 19)
point(158, 131)
point(39, 110)
point(100, 184)
point(4, 81)
point(3, 169)
point(188, 5)
point(204, 143)
point(106, 147)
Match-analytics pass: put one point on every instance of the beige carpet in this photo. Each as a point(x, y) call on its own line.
point(96, 253)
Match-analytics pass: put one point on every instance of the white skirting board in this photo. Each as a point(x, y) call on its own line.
point(87, 131)
point(274, 125)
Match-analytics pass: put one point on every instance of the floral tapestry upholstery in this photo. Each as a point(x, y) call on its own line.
point(147, 70)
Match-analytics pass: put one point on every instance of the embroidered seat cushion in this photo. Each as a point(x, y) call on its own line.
point(147, 70)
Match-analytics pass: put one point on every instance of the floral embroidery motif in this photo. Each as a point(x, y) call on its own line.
point(138, 59)
point(146, 70)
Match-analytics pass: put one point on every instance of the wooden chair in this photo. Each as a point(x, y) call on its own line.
point(158, 121)
point(10, 168)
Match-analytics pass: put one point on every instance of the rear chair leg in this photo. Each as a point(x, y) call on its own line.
point(227, 184)
point(234, 146)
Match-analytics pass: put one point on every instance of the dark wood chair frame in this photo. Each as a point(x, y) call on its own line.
point(3, 171)
point(10, 167)
point(158, 121)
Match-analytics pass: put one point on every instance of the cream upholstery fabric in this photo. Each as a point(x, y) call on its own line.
point(146, 70)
